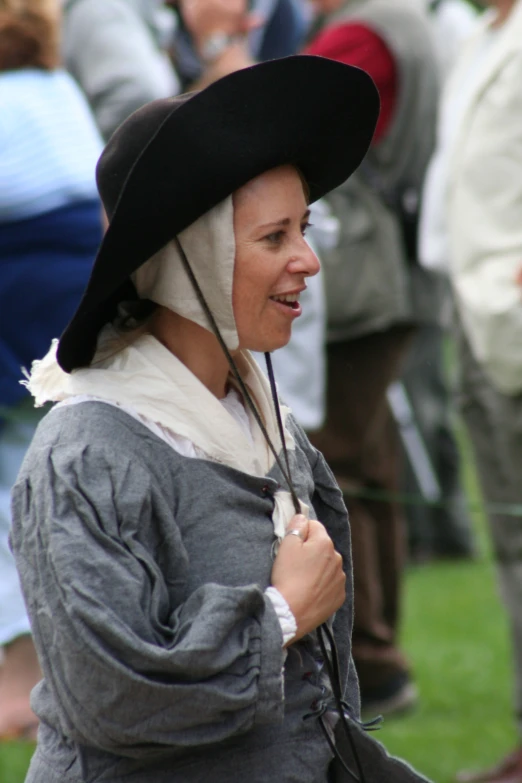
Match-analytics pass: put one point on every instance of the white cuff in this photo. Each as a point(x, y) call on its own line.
point(284, 614)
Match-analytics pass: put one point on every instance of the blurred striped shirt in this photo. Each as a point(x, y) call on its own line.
point(49, 143)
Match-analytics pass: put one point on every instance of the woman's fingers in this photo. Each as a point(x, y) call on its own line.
point(298, 526)
point(308, 572)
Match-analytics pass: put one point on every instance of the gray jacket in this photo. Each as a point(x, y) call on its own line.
point(114, 50)
point(144, 575)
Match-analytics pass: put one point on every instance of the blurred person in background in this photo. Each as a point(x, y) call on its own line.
point(118, 52)
point(270, 29)
point(376, 293)
point(471, 227)
point(284, 30)
point(50, 226)
point(453, 22)
point(446, 530)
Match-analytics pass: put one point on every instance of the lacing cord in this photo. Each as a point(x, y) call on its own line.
point(333, 669)
point(332, 664)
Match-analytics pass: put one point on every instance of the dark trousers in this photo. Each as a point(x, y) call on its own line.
point(434, 531)
point(360, 442)
point(494, 423)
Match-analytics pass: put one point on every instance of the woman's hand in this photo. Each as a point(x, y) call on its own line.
point(206, 17)
point(308, 573)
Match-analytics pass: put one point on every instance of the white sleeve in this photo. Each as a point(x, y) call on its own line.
point(284, 614)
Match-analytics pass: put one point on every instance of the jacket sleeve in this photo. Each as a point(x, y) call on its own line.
point(113, 55)
point(128, 672)
point(483, 208)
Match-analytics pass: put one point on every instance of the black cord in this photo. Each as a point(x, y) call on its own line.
point(273, 389)
point(336, 753)
point(246, 394)
point(333, 664)
point(334, 674)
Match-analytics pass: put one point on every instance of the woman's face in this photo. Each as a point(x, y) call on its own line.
point(273, 258)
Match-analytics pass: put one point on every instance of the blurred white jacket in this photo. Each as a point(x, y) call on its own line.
point(453, 22)
point(483, 195)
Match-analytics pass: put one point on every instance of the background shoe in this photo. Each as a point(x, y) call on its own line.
point(397, 696)
point(508, 770)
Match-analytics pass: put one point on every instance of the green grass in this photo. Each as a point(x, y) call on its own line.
point(14, 761)
point(455, 634)
point(454, 631)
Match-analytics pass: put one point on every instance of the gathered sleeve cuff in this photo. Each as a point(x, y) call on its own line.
point(284, 614)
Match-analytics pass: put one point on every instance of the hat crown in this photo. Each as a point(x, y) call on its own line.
point(127, 144)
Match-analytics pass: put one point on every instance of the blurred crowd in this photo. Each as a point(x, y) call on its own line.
point(423, 245)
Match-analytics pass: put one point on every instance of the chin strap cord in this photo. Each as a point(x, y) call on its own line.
point(273, 389)
point(235, 372)
point(332, 664)
point(332, 660)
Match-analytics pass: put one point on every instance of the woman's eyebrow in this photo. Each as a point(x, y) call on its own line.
point(284, 221)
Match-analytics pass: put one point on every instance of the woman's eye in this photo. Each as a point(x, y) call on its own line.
point(275, 238)
point(278, 237)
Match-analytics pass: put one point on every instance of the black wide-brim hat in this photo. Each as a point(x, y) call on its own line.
point(176, 158)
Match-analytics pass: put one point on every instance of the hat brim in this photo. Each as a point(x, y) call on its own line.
point(311, 112)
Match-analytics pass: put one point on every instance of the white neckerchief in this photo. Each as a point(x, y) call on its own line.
point(144, 376)
point(232, 403)
point(434, 240)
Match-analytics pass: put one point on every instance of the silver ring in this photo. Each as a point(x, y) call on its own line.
point(294, 532)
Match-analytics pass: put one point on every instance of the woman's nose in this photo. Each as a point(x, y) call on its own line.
point(309, 262)
point(313, 262)
point(305, 262)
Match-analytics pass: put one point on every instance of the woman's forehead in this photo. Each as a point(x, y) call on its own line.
point(281, 179)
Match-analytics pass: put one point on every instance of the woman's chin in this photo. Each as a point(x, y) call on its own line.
point(269, 346)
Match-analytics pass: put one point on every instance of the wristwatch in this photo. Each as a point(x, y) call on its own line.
point(215, 45)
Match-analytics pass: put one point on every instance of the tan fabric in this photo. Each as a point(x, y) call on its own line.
point(210, 246)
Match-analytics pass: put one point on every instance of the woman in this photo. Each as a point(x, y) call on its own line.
point(50, 228)
point(174, 592)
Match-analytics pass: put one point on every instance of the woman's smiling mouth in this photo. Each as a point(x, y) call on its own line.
point(287, 300)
